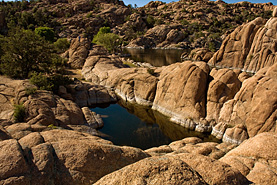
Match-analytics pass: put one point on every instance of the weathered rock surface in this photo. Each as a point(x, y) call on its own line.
point(187, 102)
point(131, 84)
point(256, 158)
point(198, 54)
point(223, 87)
point(263, 52)
point(7, 94)
point(216, 173)
point(78, 52)
point(254, 106)
point(194, 146)
point(176, 169)
point(235, 48)
point(86, 94)
point(62, 157)
point(155, 170)
point(250, 47)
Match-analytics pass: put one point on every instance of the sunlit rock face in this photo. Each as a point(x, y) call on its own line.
point(250, 47)
point(181, 91)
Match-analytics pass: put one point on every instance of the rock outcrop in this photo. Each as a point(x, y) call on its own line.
point(235, 48)
point(250, 47)
point(62, 157)
point(78, 52)
point(255, 158)
point(223, 87)
point(86, 94)
point(254, 106)
point(175, 169)
point(187, 102)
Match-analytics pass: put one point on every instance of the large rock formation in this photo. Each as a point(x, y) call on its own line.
point(254, 106)
point(256, 158)
point(181, 91)
point(155, 170)
point(176, 169)
point(61, 157)
point(250, 47)
point(131, 84)
point(223, 87)
point(235, 48)
point(78, 52)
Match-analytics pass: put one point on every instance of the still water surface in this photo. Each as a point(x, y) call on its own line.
point(142, 127)
point(156, 57)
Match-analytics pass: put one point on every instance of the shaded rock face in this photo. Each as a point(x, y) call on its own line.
point(87, 94)
point(188, 100)
point(132, 84)
point(7, 94)
point(250, 47)
point(255, 158)
point(62, 157)
point(223, 87)
point(254, 106)
point(78, 52)
point(44, 108)
point(159, 36)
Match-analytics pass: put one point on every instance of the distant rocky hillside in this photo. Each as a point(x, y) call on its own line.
point(183, 24)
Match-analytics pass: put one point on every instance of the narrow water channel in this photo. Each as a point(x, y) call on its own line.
point(141, 127)
point(156, 57)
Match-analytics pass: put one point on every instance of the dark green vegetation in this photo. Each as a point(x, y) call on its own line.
point(19, 113)
point(50, 83)
point(105, 38)
point(24, 52)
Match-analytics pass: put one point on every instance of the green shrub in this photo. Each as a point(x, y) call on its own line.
point(19, 113)
point(30, 91)
point(25, 52)
point(105, 38)
point(61, 45)
point(46, 32)
point(52, 126)
point(150, 20)
point(41, 81)
point(50, 83)
point(151, 71)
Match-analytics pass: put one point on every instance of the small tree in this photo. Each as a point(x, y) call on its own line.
point(25, 52)
point(107, 39)
point(62, 45)
point(46, 32)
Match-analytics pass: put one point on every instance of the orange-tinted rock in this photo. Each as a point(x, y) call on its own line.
point(235, 48)
point(154, 170)
point(254, 106)
point(256, 158)
point(181, 91)
point(223, 87)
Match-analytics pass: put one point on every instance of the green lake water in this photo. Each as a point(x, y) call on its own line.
point(126, 124)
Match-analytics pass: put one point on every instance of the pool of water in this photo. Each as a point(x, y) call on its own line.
point(156, 57)
point(134, 125)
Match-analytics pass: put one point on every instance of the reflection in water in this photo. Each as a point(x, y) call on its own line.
point(141, 127)
point(156, 57)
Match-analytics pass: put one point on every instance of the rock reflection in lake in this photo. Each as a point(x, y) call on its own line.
point(140, 126)
point(156, 57)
